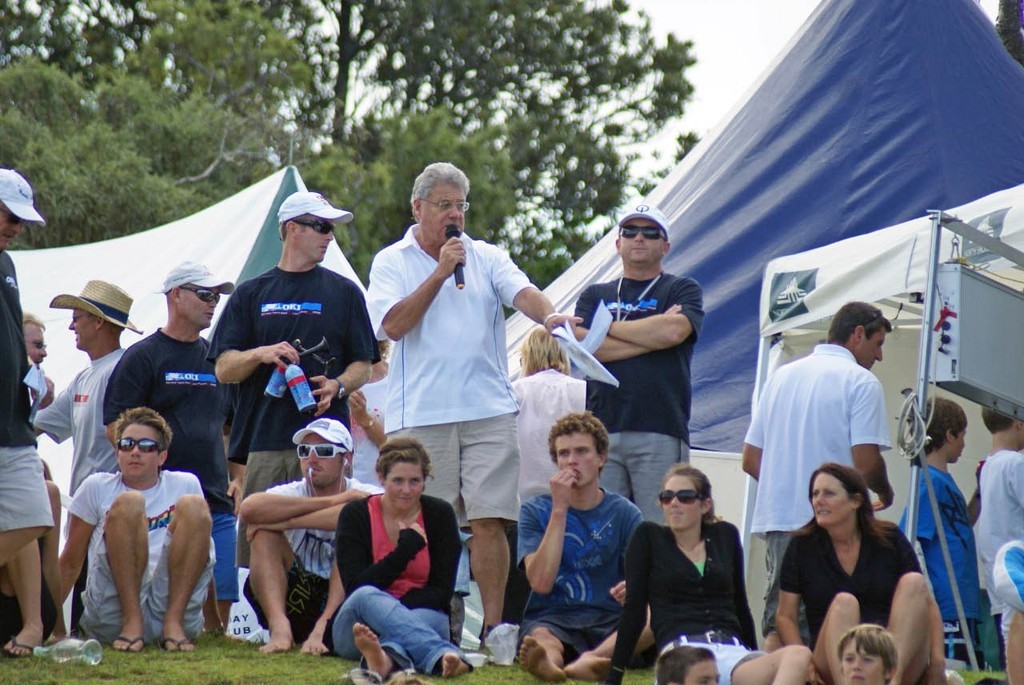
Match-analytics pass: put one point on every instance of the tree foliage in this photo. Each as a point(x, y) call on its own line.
point(540, 97)
point(1008, 26)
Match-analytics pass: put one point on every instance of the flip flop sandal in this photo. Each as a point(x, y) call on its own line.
point(129, 644)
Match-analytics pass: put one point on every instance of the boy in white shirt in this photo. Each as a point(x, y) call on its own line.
point(146, 533)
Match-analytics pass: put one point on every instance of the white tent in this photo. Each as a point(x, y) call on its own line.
point(236, 238)
point(888, 267)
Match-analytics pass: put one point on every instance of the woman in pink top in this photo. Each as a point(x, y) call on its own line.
point(397, 555)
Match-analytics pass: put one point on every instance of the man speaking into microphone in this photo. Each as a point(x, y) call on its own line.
point(439, 293)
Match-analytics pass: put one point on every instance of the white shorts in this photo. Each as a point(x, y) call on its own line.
point(101, 617)
point(727, 656)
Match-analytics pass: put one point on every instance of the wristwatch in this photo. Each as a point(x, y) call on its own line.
point(341, 389)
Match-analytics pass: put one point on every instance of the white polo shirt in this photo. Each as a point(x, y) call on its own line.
point(812, 411)
point(452, 365)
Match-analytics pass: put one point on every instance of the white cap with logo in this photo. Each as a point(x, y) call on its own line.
point(649, 212)
point(331, 430)
point(16, 194)
point(314, 204)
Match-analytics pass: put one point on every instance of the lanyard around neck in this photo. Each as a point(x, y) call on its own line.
point(618, 295)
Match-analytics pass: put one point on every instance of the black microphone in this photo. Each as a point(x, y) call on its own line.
point(452, 231)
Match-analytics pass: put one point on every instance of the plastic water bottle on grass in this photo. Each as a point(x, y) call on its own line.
point(73, 651)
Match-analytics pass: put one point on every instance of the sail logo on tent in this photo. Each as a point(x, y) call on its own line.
point(290, 308)
point(788, 291)
point(992, 224)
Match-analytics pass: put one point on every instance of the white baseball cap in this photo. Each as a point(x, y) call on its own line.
point(315, 204)
point(649, 212)
point(196, 274)
point(16, 194)
point(331, 430)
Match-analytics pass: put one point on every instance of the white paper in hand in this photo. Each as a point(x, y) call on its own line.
point(581, 353)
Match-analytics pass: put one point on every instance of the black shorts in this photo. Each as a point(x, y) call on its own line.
point(305, 600)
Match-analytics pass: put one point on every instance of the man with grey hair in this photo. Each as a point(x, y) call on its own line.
point(296, 300)
point(452, 337)
point(24, 505)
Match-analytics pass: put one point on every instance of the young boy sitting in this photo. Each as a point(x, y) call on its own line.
point(686, 666)
point(867, 654)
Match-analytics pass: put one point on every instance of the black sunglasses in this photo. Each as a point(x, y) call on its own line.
point(204, 294)
point(650, 232)
point(321, 227)
point(683, 496)
point(145, 445)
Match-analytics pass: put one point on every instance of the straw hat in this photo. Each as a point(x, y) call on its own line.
point(101, 299)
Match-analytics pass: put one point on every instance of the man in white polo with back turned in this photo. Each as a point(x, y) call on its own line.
point(825, 407)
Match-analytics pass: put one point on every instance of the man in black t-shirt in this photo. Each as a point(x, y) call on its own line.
point(24, 505)
point(170, 373)
point(656, 319)
point(296, 300)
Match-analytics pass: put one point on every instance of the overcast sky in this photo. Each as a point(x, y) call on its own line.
point(734, 41)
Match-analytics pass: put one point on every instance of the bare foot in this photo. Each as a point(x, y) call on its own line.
point(377, 659)
point(589, 667)
point(452, 665)
point(534, 659)
point(280, 641)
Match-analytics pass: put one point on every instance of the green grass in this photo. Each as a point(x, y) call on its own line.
point(219, 661)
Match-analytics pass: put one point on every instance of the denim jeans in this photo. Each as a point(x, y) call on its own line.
point(414, 638)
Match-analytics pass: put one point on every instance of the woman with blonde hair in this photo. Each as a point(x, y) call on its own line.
point(545, 393)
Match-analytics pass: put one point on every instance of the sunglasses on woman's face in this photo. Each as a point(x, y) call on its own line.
point(683, 496)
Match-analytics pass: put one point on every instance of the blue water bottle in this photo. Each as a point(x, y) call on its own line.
point(278, 384)
point(299, 386)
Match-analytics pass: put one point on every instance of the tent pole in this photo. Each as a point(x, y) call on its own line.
point(750, 485)
point(917, 460)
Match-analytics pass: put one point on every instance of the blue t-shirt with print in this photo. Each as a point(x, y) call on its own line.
point(592, 552)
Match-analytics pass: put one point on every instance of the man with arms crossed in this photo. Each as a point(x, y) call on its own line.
point(293, 584)
point(448, 385)
point(825, 407)
point(657, 318)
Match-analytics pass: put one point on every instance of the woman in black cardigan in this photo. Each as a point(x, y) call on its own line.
point(688, 574)
point(397, 555)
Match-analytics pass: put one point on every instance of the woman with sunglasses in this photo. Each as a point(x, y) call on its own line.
point(397, 555)
point(848, 568)
point(687, 576)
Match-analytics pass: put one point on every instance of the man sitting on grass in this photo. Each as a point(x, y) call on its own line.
point(571, 545)
point(147, 535)
point(293, 584)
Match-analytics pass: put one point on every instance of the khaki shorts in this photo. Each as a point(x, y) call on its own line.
point(23, 499)
point(475, 466)
point(101, 617)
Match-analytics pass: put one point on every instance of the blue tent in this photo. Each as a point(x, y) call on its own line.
point(875, 112)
